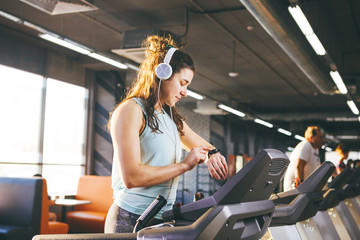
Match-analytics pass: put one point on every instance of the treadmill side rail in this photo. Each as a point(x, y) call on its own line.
point(247, 221)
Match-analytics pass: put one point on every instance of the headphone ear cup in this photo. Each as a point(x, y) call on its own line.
point(163, 71)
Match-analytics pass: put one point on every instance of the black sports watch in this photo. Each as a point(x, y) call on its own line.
point(213, 151)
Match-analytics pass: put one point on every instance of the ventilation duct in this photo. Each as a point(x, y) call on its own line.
point(134, 54)
point(276, 20)
point(131, 45)
point(55, 7)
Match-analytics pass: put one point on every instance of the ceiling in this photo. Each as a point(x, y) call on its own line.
point(271, 84)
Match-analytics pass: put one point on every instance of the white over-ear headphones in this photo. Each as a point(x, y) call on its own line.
point(164, 71)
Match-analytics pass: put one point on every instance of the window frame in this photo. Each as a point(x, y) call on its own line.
point(87, 146)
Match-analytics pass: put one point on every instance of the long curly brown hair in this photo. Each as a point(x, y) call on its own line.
point(146, 84)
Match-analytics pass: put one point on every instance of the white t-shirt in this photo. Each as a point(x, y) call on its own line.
point(305, 151)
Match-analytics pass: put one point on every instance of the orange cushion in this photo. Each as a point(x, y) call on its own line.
point(58, 228)
point(91, 217)
point(50, 227)
point(86, 221)
point(98, 190)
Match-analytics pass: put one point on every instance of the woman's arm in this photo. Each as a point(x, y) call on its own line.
point(216, 163)
point(127, 122)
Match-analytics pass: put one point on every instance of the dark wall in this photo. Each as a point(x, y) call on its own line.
point(247, 137)
point(109, 89)
point(27, 53)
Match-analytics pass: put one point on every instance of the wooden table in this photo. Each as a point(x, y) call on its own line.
point(64, 203)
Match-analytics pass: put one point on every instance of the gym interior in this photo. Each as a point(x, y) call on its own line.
point(261, 79)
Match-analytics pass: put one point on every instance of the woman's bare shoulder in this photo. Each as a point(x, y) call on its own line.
point(129, 106)
point(128, 110)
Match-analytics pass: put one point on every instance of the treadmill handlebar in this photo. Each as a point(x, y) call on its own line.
point(254, 182)
point(318, 179)
point(149, 213)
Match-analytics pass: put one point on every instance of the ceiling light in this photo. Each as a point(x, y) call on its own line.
point(10, 17)
point(20, 21)
point(353, 107)
point(264, 123)
point(250, 28)
point(231, 110)
point(330, 137)
point(35, 27)
point(306, 29)
point(208, 107)
point(298, 137)
point(316, 44)
point(194, 95)
point(64, 43)
point(347, 137)
point(108, 60)
point(283, 131)
point(341, 119)
point(328, 149)
point(339, 82)
point(233, 73)
point(359, 118)
point(301, 20)
point(81, 49)
point(67, 43)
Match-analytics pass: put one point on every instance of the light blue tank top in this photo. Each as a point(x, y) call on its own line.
point(157, 149)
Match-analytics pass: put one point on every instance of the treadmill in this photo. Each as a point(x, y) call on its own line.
point(294, 208)
point(328, 223)
point(346, 209)
point(327, 220)
point(240, 209)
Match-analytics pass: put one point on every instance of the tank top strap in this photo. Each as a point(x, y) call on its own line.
point(141, 103)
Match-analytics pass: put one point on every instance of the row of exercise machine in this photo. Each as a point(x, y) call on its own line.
point(245, 207)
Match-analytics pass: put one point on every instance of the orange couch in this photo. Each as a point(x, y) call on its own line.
point(49, 227)
point(90, 218)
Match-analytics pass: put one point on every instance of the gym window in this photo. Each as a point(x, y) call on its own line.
point(42, 129)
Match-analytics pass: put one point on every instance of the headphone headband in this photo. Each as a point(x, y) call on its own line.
point(169, 55)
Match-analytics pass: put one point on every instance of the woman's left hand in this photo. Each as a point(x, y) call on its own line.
point(217, 166)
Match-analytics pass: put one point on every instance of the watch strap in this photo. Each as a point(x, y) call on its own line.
point(213, 151)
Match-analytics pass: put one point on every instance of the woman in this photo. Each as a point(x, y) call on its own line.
point(148, 132)
point(343, 153)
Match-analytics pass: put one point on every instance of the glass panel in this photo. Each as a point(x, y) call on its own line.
point(20, 127)
point(62, 180)
point(334, 157)
point(354, 155)
point(19, 170)
point(65, 118)
point(20, 103)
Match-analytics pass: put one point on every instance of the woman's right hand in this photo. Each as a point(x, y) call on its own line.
point(196, 155)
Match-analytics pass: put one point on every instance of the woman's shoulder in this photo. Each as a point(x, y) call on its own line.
point(128, 108)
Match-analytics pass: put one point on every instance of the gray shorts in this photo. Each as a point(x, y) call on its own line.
point(119, 220)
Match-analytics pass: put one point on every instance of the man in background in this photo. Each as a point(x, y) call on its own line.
point(304, 159)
